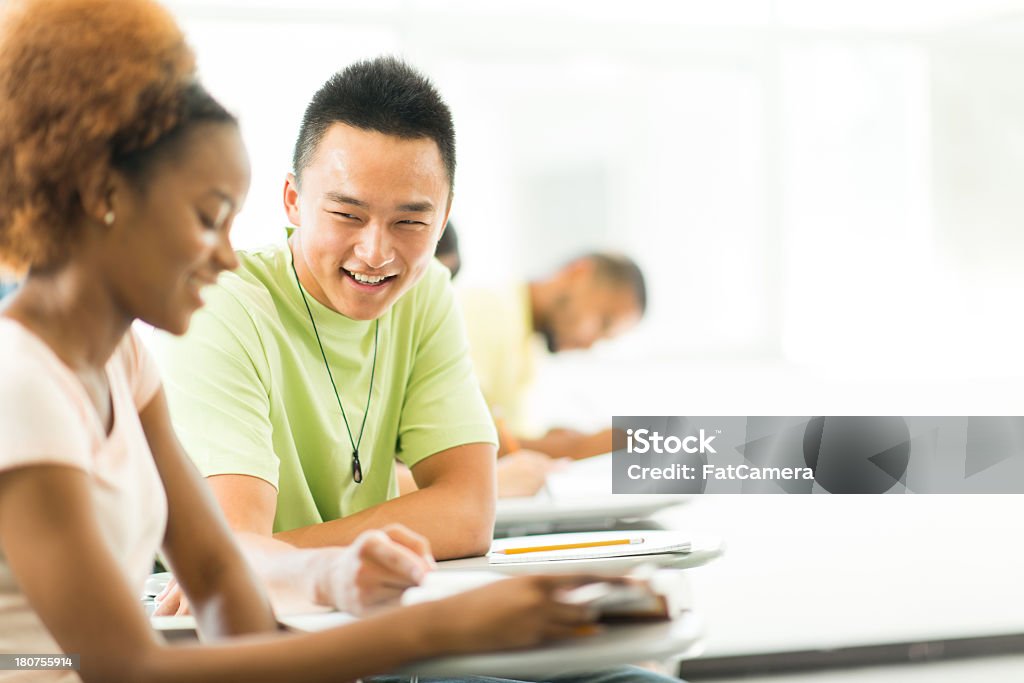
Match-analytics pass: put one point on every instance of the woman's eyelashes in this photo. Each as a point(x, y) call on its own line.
point(217, 219)
point(207, 222)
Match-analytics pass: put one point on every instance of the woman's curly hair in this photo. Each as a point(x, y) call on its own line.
point(82, 82)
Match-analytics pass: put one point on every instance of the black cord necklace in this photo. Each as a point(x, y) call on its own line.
point(357, 469)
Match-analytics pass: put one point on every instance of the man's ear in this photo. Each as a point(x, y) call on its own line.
point(447, 215)
point(291, 200)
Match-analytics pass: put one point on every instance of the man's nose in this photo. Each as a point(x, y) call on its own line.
point(582, 341)
point(591, 332)
point(373, 246)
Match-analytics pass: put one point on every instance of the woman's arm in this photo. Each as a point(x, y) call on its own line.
point(225, 595)
point(59, 555)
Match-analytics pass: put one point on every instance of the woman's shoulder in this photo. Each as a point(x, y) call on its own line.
point(24, 356)
point(133, 359)
point(41, 417)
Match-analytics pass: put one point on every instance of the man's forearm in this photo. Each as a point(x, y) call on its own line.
point(294, 576)
point(232, 601)
point(406, 482)
point(456, 524)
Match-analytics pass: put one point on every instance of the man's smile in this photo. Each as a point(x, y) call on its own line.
point(368, 281)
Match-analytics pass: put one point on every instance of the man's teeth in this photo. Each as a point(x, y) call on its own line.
point(367, 279)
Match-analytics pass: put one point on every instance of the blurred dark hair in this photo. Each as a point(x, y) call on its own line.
point(194, 106)
point(447, 250)
point(620, 270)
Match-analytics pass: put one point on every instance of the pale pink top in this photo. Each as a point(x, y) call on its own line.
point(47, 418)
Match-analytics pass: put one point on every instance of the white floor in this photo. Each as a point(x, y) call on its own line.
point(1008, 669)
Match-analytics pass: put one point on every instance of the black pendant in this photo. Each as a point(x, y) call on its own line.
point(357, 469)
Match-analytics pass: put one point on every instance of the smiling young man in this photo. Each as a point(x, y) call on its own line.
point(320, 360)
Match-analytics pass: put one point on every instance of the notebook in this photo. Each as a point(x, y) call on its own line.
point(591, 545)
point(664, 594)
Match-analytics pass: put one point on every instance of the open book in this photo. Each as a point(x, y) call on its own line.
point(590, 545)
point(663, 594)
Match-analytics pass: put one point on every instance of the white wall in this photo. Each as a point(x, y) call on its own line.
point(816, 185)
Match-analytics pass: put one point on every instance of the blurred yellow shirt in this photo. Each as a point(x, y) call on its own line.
point(504, 349)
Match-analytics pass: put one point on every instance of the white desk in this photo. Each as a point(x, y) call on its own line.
point(545, 514)
point(704, 549)
point(846, 571)
point(578, 498)
point(175, 629)
point(616, 646)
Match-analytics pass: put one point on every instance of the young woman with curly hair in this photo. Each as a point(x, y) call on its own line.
point(119, 180)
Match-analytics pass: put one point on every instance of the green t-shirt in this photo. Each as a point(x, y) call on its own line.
point(249, 393)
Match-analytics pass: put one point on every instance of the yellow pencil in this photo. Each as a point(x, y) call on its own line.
point(569, 546)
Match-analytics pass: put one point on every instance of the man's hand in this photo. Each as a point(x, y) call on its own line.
point(171, 600)
point(523, 473)
point(374, 570)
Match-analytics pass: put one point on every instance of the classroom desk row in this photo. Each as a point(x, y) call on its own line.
point(664, 641)
point(575, 508)
point(667, 641)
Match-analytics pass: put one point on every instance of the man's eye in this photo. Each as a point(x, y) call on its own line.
point(339, 214)
point(412, 223)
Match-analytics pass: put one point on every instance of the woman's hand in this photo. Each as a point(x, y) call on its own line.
point(515, 613)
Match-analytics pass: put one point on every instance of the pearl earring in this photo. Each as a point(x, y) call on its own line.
point(108, 217)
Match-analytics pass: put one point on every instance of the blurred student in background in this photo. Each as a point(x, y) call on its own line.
point(447, 250)
point(520, 472)
point(593, 297)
